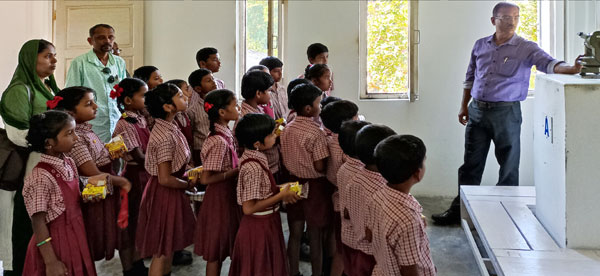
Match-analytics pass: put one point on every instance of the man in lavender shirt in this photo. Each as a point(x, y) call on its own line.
point(497, 81)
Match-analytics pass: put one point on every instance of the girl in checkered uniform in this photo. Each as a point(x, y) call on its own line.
point(219, 217)
point(52, 198)
point(166, 221)
point(259, 246)
point(92, 158)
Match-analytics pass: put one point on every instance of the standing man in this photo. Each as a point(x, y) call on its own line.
point(497, 81)
point(100, 70)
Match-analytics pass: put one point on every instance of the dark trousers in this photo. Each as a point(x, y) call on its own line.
point(21, 234)
point(497, 122)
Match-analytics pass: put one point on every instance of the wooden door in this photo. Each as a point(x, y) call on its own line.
point(73, 19)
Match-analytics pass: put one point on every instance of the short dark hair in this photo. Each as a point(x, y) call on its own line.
point(159, 96)
point(176, 82)
point(315, 71)
point(45, 126)
point(255, 81)
point(337, 112)
point(252, 128)
point(501, 5)
point(195, 78)
point(303, 95)
point(347, 136)
point(93, 29)
point(271, 62)
point(315, 49)
point(292, 85)
point(143, 73)
point(130, 86)
point(399, 156)
point(367, 138)
point(204, 53)
point(257, 68)
point(329, 99)
point(219, 99)
point(71, 96)
point(43, 45)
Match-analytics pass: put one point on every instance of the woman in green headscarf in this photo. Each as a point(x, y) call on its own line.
point(31, 86)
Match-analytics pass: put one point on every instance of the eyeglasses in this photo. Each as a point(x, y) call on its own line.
point(508, 18)
point(111, 78)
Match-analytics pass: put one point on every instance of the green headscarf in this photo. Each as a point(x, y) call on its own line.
point(15, 106)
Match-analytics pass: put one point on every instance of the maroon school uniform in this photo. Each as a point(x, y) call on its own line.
point(100, 217)
point(166, 220)
point(185, 125)
point(53, 187)
point(219, 218)
point(259, 246)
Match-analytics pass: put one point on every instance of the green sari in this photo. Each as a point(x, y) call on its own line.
point(15, 107)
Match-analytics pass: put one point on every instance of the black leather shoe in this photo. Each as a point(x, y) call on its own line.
point(449, 217)
point(182, 257)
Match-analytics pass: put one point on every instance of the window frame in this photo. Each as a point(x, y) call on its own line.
point(413, 48)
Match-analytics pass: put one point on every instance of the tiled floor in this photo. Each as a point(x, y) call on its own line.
point(449, 248)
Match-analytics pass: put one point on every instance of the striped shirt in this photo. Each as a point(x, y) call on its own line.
point(347, 172)
point(199, 120)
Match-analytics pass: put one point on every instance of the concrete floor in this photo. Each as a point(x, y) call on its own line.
point(449, 248)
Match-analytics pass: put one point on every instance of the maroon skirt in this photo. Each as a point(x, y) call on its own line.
point(337, 228)
point(218, 222)
point(166, 220)
point(357, 263)
point(137, 175)
point(259, 247)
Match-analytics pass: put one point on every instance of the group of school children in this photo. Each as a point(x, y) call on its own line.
point(355, 178)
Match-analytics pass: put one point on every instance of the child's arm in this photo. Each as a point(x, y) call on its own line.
point(286, 195)
point(89, 168)
point(138, 155)
point(321, 165)
point(166, 179)
point(212, 177)
point(411, 270)
point(40, 230)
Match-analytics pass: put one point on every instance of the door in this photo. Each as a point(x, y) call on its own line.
point(72, 22)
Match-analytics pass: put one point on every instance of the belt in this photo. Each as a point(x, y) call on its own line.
point(482, 104)
point(267, 212)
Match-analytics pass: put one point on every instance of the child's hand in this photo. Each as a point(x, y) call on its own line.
point(288, 196)
point(96, 178)
point(56, 268)
point(121, 182)
point(94, 199)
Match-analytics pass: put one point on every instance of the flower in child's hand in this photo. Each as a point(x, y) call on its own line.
point(116, 92)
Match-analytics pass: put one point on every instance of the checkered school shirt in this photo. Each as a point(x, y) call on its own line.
point(216, 155)
point(399, 237)
point(303, 143)
point(41, 191)
point(166, 143)
point(347, 172)
point(253, 181)
point(129, 133)
point(199, 119)
point(334, 163)
point(272, 153)
point(88, 147)
point(279, 100)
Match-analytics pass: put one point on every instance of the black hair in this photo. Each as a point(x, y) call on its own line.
point(93, 29)
point(252, 128)
point(337, 112)
point(315, 71)
point(271, 62)
point(71, 96)
point(257, 68)
point(219, 99)
point(501, 5)
point(204, 53)
point(195, 78)
point(292, 85)
point(45, 126)
point(159, 96)
point(398, 157)
point(130, 87)
point(255, 81)
point(329, 99)
point(176, 82)
point(367, 138)
point(144, 72)
point(43, 45)
point(303, 95)
point(347, 136)
point(315, 49)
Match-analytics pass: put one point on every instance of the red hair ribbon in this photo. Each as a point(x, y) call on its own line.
point(116, 92)
point(54, 102)
point(207, 106)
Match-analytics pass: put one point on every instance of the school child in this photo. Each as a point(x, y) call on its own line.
point(279, 98)
point(347, 171)
point(182, 120)
point(305, 152)
point(268, 107)
point(397, 232)
point(333, 115)
point(292, 114)
point(208, 58)
point(364, 184)
point(166, 221)
point(259, 245)
point(150, 75)
point(201, 82)
point(320, 76)
point(132, 126)
point(92, 158)
point(52, 198)
point(318, 53)
point(219, 217)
